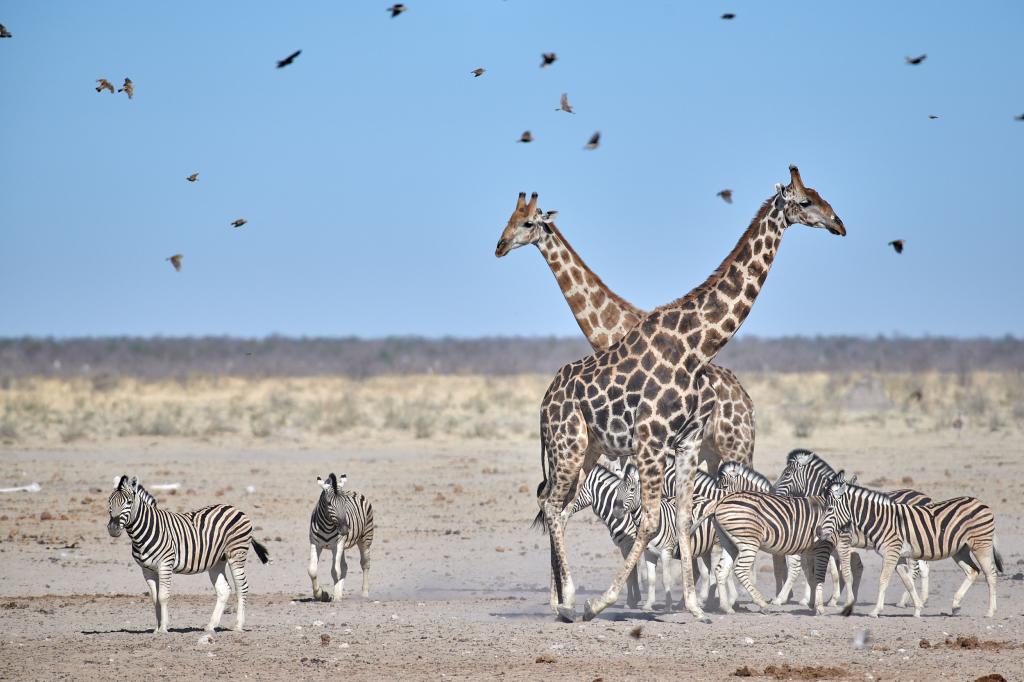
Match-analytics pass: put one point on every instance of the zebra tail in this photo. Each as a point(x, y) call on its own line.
point(997, 556)
point(539, 521)
point(261, 550)
point(696, 524)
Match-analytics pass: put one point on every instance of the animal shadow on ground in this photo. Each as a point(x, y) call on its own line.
point(148, 631)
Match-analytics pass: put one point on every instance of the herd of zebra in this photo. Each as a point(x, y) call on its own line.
point(808, 520)
point(216, 539)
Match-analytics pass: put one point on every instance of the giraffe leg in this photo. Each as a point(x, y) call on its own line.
point(963, 559)
point(633, 584)
point(687, 449)
point(651, 470)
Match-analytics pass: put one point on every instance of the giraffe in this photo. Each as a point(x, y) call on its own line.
point(648, 394)
point(604, 317)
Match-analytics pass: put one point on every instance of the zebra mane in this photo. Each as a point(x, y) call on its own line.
point(145, 495)
point(746, 472)
point(861, 493)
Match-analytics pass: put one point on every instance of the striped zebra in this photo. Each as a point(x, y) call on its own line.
point(951, 528)
point(341, 519)
point(664, 541)
point(214, 539)
point(750, 521)
point(806, 473)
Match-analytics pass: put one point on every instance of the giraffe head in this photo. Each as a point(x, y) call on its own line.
point(803, 205)
point(527, 225)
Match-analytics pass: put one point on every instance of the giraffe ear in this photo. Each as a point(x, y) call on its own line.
point(780, 200)
point(549, 216)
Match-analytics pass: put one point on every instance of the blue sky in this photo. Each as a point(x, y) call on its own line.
point(376, 173)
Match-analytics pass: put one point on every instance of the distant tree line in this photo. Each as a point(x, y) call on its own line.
point(157, 358)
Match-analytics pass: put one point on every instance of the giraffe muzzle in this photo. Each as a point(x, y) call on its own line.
point(501, 249)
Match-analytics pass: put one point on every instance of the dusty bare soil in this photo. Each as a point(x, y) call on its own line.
point(458, 580)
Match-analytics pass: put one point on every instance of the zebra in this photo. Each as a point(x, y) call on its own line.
point(951, 528)
point(806, 473)
point(214, 539)
point(627, 505)
point(746, 522)
point(341, 519)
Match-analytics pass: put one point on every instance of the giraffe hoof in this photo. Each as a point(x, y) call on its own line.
point(566, 614)
point(589, 610)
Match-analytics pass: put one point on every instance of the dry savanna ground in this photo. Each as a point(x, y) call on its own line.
point(459, 581)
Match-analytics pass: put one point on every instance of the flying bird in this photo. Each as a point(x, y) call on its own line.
point(128, 88)
point(594, 141)
point(527, 136)
point(932, 117)
point(897, 245)
point(916, 60)
point(289, 59)
point(239, 222)
point(4, 33)
point(564, 104)
point(547, 59)
point(478, 72)
point(397, 9)
point(726, 195)
point(1019, 118)
point(728, 16)
point(193, 177)
point(104, 84)
point(175, 261)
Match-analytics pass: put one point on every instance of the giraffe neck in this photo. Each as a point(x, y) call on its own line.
point(711, 314)
point(603, 316)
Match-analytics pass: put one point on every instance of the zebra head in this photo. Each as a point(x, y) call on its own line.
point(734, 477)
point(793, 479)
point(837, 508)
point(627, 497)
point(332, 486)
point(121, 504)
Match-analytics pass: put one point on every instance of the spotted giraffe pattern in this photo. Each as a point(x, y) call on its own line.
point(648, 395)
point(605, 317)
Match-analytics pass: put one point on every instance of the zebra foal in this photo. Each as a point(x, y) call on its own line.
point(951, 528)
point(214, 539)
point(342, 519)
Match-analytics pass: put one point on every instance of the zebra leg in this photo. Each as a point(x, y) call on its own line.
point(986, 557)
point(906, 575)
point(339, 568)
point(314, 563)
point(780, 567)
point(890, 555)
point(633, 583)
point(703, 566)
point(220, 585)
point(163, 592)
point(924, 569)
point(237, 568)
point(837, 582)
point(792, 564)
point(814, 574)
point(651, 568)
point(745, 572)
point(963, 559)
point(364, 565)
point(687, 451)
point(841, 555)
point(857, 569)
point(723, 570)
point(665, 557)
point(152, 580)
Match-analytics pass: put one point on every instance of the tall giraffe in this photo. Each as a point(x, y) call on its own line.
point(648, 393)
point(605, 317)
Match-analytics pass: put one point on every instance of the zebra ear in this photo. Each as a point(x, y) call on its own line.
point(803, 457)
point(341, 482)
point(134, 483)
point(121, 482)
point(853, 479)
point(325, 485)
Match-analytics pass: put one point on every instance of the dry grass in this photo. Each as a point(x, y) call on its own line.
point(36, 412)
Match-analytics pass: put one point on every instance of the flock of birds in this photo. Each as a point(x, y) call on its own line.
point(547, 59)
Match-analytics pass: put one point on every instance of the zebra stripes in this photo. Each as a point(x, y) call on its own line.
point(341, 519)
point(951, 528)
point(215, 539)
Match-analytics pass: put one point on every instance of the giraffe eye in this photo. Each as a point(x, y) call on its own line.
point(528, 223)
point(805, 203)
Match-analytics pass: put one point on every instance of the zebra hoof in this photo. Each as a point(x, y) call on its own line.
point(847, 610)
point(567, 614)
point(955, 611)
point(917, 613)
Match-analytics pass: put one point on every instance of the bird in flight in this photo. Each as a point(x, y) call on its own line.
point(916, 60)
point(4, 33)
point(175, 261)
point(547, 59)
point(527, 136)
point(239, 222)
point(595, 140)
point(1019, 118)
point(104, 84)
point(932, 117)
point(728, 15)
point(397, 9)
point(564, 104)
point(193, 177)
point(726, 195)
point(478, 72)
point(289, 59)
point(897, 245)
point(128, 88)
